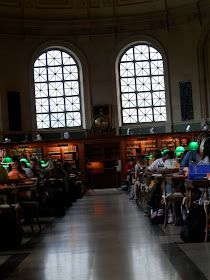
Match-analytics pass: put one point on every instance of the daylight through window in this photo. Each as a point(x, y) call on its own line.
point(142, 85)
point(57, 90)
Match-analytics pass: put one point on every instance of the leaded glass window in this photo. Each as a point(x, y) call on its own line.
point(57, 90)
point(142, 85)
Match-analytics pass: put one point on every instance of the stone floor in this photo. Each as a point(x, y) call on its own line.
point(104, 236)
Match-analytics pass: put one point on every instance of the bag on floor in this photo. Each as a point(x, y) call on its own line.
point(157, 212)
point(131, 194)
point(193, 229)
point(10, 233)
point(124, 185)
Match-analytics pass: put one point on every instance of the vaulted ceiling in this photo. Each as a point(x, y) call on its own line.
point(97, 16)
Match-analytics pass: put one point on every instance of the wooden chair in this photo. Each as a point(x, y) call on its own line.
point(30, 205)
point(176, 195)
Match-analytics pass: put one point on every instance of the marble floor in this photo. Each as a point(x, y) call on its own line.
point(104, 236)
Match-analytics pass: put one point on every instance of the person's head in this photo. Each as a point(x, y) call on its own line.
point(201, 139)
point(169, 155)
point(206, 148)
point(141, 160)
point(203, 136)
point(60, 161)
point(23, 164)
point(156, 154)
point(16, 163)
point(33, 163)
point(52, 165)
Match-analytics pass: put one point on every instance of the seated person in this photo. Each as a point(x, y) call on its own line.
point(17, 172)
point(205, 160)
point(129, 167)
point(139, 167)
point(193, 157)
point(41, 173)
point(160, 166)
point(54, 171)
point(3, 175)
point(28, 171)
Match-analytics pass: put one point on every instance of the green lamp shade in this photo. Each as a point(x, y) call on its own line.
point(44, 165)
point(149, 156)
point(179, 149)
point(28, 164)
point(24, 159)
point(42, 161)
point(193, 146)
point(178, 154)
point(7, 160)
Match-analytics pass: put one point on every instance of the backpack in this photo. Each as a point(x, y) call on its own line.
point(193, 229)
point(157, 212)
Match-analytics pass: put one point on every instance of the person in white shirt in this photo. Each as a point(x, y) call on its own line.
point(160, 166)
point(28, 171)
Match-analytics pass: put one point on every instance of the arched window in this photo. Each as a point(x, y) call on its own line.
point(142, 86)
point(57, 90)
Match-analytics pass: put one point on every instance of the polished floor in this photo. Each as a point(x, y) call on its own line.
point(104, 236)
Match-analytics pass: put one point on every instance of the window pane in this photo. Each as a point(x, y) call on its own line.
point(72, 103)
point(141, 52)
point(128, 56)
point(129, 115)
point(145, 115)
point(40, 75)
point(68, 60)
point(41, 61)
point(157, 67)
point(54, 58)
point(42, 121)
point(143, 83)
point(41, 90)
point(57, 120)
point(57, 104)
point(154, 54)
point(159, 114)
point(42, 105)
point(159, 98)
point(128, 100)
point(55, 89)
point(127, 84)
point(144, 99)
point(158, 83)
point(142, 68)
point(70, 72)
point(55, 73)
point(73, 119)
point(71, 88)
point(127, 69)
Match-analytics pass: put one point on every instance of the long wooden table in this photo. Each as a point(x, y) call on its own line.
point(26, 185)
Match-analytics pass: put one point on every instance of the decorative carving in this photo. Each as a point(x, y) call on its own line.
point(108, 3)
point(29, 3)
point(51, 4)
point(10, 3)
point(131, 2)
point(95, 3)
point(82, 3)
point(186, 100)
